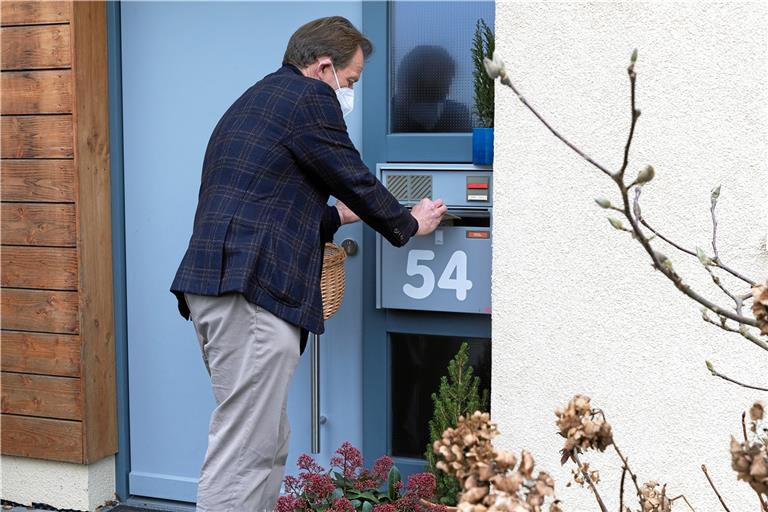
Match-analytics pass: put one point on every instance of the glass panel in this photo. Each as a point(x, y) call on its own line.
point(431, 65)
point(418, 363)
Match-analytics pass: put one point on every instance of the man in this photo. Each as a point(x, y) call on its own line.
point(250, 279)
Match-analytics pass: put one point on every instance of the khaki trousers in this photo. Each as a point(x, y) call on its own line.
point(250, 355)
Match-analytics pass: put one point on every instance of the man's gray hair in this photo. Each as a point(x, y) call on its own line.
point(334, 37)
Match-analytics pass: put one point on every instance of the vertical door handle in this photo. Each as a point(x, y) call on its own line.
point(315, 393)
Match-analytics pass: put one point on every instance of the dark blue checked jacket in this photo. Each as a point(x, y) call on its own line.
point(262, 217)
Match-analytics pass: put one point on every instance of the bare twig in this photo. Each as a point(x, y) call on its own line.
point(590, 482)
point(621, 488)
point(506, 81)
point(717, 264)
point(634, 114)
point(682, 496)
point(729, 379)
point(744, 426)
point(742, 331)
point(719, 283)
point(631, 474)
point(715, 195)
point(712, 484)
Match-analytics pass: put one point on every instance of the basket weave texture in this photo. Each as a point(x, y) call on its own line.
point(332, 280)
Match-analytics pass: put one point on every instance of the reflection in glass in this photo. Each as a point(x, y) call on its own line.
point(431, 67)
point(418, 363)
point(421, 101)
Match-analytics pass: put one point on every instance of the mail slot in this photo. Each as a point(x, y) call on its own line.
point(450, 269)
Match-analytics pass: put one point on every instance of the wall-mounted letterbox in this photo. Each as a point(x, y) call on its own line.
point(450, 269)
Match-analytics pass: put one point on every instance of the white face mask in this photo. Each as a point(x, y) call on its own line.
point(345, 95)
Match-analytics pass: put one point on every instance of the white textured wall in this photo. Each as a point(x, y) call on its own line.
point(577, 308)
point(59, 484)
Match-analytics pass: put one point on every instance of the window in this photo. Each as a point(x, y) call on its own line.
point(430, 68)
point(418, 363)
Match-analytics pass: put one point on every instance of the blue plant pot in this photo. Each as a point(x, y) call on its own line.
point(482, 146)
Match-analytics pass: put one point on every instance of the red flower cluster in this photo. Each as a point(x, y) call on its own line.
point(316, 489)
point(348, 460)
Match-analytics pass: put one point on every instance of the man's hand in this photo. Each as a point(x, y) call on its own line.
point(346, 215)
point(429, 214)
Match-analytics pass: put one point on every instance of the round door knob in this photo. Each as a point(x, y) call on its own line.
point(349, 246)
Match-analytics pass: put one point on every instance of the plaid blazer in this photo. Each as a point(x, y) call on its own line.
point(262, 217)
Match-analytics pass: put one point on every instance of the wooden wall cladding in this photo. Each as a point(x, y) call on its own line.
point(42, 438)
point(36, 92)
point(38, 180)
point(58, 375)
point(38, 47)
point(34, 13)
point(42, 224)
point(41, 353)
point(37, 137)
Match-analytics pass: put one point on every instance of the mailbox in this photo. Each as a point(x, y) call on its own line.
point(450, 269)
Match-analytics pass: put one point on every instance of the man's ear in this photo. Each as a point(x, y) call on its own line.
point(323, 64)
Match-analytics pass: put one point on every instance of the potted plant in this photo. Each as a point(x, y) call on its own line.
point(482, 136)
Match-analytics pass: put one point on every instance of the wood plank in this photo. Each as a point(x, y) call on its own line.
point(42, 438)
point(39, 311)
point(40, 47)
point(36, 92)
point(38, 224)
point(41, 395)
point(37, 180)
point(89, 31)
point(37, 137)
point(52, 268)
point(33, 13)
point(34, 352)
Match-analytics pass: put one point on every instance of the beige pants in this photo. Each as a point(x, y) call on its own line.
point(250, 355)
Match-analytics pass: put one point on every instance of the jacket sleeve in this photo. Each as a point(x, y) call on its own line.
point(322, 147)
point(330, 224)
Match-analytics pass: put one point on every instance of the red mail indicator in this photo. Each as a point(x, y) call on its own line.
point(479, 234)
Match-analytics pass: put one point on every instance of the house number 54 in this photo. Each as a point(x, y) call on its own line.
point(454, 276)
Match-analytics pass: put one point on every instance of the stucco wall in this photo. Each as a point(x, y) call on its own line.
point(577, 307)
point(59, 484)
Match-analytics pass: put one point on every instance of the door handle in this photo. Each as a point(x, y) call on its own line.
point(349, 246)
point(315, 393)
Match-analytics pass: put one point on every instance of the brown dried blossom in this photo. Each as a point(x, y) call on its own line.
point(750, 461)
point(491, 481)
point(757, 411)
point(582, 427)
point(655, 499)
point(760, 306)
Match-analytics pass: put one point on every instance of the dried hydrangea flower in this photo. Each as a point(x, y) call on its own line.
point(582, 427)
point(750, 461)
point(760, 306)
point(655, 499)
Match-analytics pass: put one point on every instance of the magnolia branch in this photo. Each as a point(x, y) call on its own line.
point(495, 69)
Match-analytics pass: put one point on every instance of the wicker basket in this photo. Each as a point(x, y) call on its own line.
point(332, 280)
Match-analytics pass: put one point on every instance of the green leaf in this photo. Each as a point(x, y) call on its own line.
point(368, 495)
point(633, 58)
point(709, 366)
point(338, 493)
point(367, 507)
point(392, 479)
point(356, 504)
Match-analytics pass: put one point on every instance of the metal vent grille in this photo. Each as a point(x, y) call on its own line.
point(410, 187)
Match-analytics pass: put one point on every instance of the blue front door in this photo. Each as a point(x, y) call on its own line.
point(183, 64)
